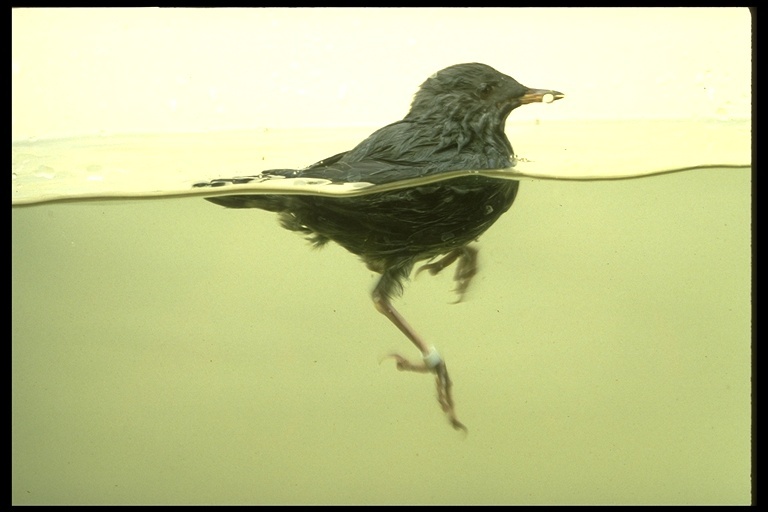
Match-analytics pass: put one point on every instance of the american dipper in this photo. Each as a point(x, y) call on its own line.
point(456, 122)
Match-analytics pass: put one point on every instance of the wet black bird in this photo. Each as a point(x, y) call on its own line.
point(456, 122)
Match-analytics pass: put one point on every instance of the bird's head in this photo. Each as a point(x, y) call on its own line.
point(474, 90)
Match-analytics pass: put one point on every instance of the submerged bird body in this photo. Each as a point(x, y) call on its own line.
point(456, 122)
point(404, 226)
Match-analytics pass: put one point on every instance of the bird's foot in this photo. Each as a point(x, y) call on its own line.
point(466, 268)
point(438, 266)
point(435, 364)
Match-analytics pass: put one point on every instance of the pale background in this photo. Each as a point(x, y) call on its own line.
point(108, 71)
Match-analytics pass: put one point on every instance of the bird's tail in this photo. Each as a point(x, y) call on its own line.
point(272, 203)
point(264, 202)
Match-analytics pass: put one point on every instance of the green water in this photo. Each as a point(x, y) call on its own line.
point(172, 351)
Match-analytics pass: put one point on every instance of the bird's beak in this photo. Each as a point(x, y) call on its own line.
point(540, 95)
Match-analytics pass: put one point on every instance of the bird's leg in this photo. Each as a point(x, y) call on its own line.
point(465, 269)
point(432, 362)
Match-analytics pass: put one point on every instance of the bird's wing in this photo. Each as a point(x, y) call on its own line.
point(393, 153)
point(364, 171)
point(396, 152)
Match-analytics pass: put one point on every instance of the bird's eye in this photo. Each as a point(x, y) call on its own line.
point(485, 89)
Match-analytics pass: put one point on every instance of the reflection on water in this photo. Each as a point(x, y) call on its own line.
point(171, 351)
